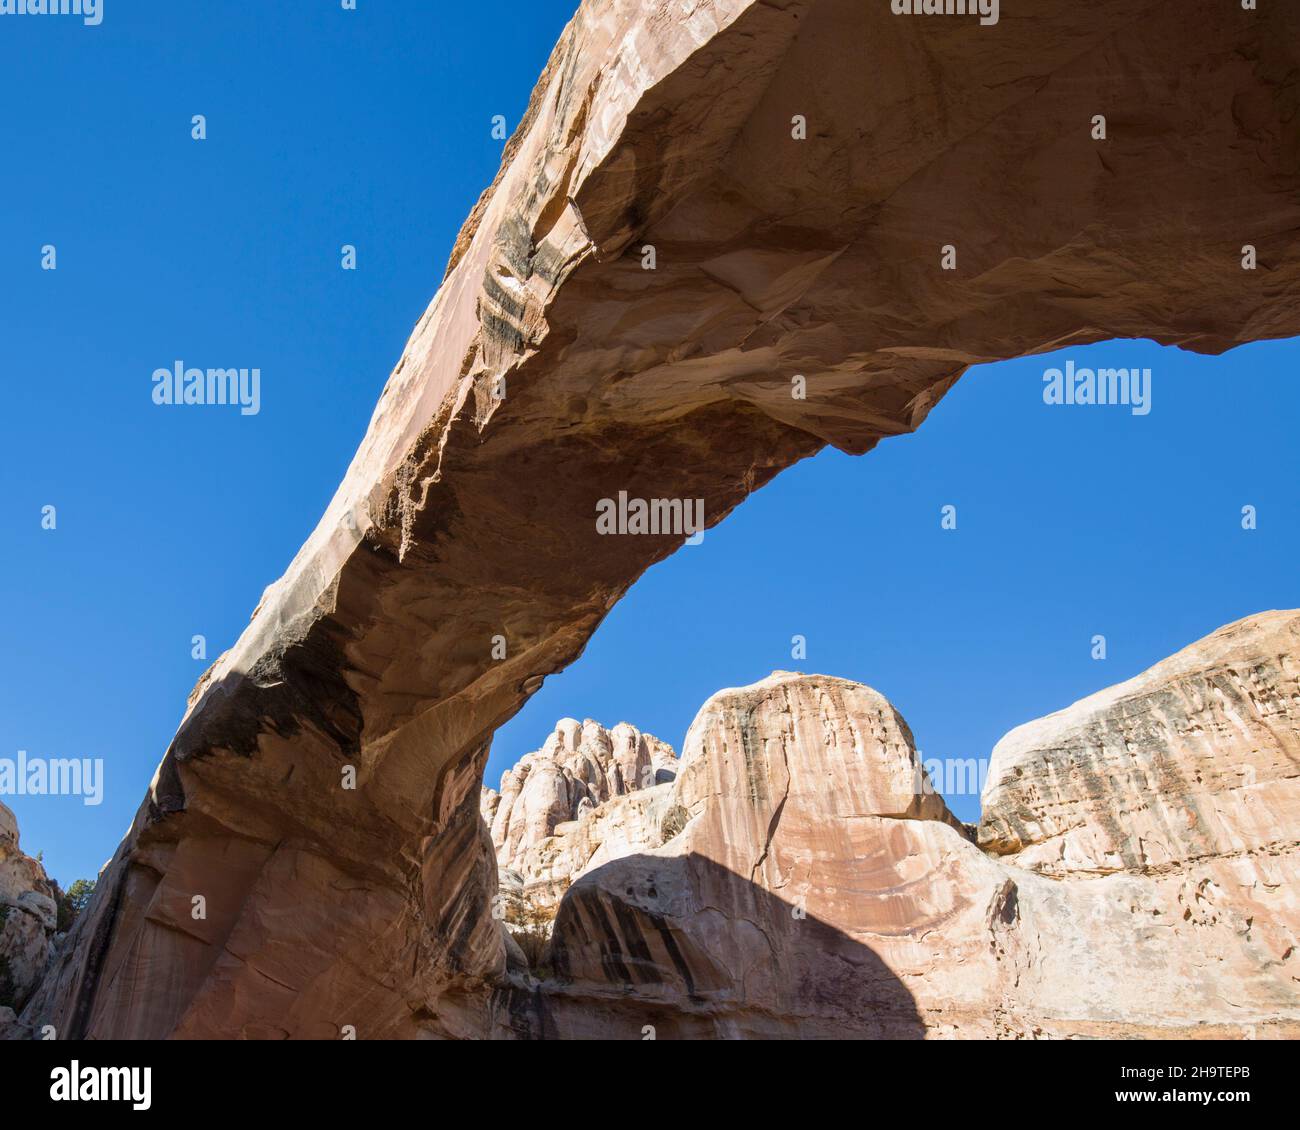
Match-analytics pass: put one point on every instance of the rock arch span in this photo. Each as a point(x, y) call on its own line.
point(466, 516)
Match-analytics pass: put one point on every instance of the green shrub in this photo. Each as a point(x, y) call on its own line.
point(74, 902)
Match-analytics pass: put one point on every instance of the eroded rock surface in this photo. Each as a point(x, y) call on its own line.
point(1195, 759)
point(28, 919)
point(804, 886)
point(587, 796)
point(744, 922)
point(580, 767)
point(467, 517)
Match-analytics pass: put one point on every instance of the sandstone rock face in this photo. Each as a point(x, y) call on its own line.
point(28, 918)
point(468, 516)
point(1186, 778)
point(580, 767)
point(587, 796)
point(1195, 759)
point(531, 891)
point(805, 886)
point(778, 844)
point(620, 827)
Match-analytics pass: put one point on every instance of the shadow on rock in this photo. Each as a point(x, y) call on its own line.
point(670, 947)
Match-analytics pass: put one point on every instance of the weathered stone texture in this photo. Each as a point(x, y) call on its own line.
point(807, 888)
point(28, 919)
point(466, 516)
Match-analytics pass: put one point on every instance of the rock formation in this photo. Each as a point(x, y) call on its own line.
point(738, 917)
point(1135, 778)
point(801, 884)
point(797, 169)
point(587, 796)
point(580, 766)
point(28, 920)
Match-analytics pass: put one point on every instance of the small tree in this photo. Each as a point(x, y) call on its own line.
point(74, 901)
point(79, 893)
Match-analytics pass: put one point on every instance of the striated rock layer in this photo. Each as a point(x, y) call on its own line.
point(580, 767)
point(1135, 778)
point(587, 796)
point(28, 920)
point(552, 371)
point(802, 886)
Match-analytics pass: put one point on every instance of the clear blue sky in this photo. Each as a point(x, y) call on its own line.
point(373, 128)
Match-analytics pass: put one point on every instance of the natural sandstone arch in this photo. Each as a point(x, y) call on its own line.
point(464, 516)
